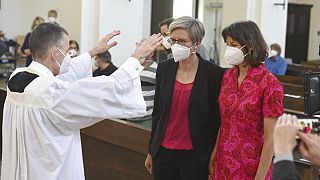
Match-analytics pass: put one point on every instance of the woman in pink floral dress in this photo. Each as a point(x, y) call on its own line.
point(250, 101)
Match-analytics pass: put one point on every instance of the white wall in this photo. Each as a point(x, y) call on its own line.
point(314, 38)
point(11, 11)
point(89, 24)
point(273, 22)
point(70, 17)
point(16, 16)
point(233, 10)
point(132, 18)
point(254, 11)
point(207, 14)
point(182, 8)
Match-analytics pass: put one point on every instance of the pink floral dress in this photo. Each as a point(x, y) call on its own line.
point(242, 111)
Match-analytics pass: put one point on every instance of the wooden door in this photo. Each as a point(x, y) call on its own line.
point(161, 9)
point(297, 38)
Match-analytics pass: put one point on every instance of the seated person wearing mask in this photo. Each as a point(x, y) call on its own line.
point(73, 49)
point(285, 132)
point(148, 86)
point(53, 16)
point(276, 64)
point(105, 66)
point(49, 102)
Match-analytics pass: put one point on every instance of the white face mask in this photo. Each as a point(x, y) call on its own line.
point(72, 52)
point(52, 19)
point(65, 65)
point(273, 53)
point(180, 52)
point(234, 56)
point(166, 43)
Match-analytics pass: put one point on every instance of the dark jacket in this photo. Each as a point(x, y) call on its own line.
point(107, 71)
point(25, 46)
point(204, 116)
point(3, 47)
point(285, 170)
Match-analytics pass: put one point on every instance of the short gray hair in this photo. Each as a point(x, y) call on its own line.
point(193, 26)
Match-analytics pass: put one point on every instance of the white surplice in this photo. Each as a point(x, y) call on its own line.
point(41, 126)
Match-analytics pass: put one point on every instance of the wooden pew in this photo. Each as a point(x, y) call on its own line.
point(290, 79)
point(312, 62)
point(306, 170)
point(115, 149)
point(294, 92)
point(293, 85)
point(300, 69)
point(296, 104)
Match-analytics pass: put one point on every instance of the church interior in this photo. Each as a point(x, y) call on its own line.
point(116, 148)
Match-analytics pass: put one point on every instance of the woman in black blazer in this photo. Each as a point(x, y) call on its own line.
point(185, 119)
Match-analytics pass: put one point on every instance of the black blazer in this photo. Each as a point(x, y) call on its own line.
point(204, 116)
point(285, 170)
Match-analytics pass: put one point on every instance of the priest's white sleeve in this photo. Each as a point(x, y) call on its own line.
point(88, 101)
point(80, 68)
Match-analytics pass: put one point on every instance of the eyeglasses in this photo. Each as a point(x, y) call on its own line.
point(175, 41)
point(165, 34)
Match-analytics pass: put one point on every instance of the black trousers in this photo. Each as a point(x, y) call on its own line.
point(178, 165)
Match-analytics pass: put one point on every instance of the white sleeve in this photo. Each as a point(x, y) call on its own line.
point(88, 101)
point(80, 68)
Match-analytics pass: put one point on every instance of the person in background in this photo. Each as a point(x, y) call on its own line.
point(7, 44)
point(307, 129)
point(74, 49)
point(25, 48)
point(104, 64)
point(3, 46)
point(53, 16)
point(185, 118)
point(148, 86)
point(3, 36)
point(250, 101)
point(164, 52)
point(164, 26)
point(285, 133)
point(276, 64)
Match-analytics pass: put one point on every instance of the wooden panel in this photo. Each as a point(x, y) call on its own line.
point(103, 160)
point(306, 170)
point(290, 79)
point(115, 149)
point(298, 24)
point(293, 103)
point(293, 89)
point(300, 69)
point(313, 62)
point(121, 133)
